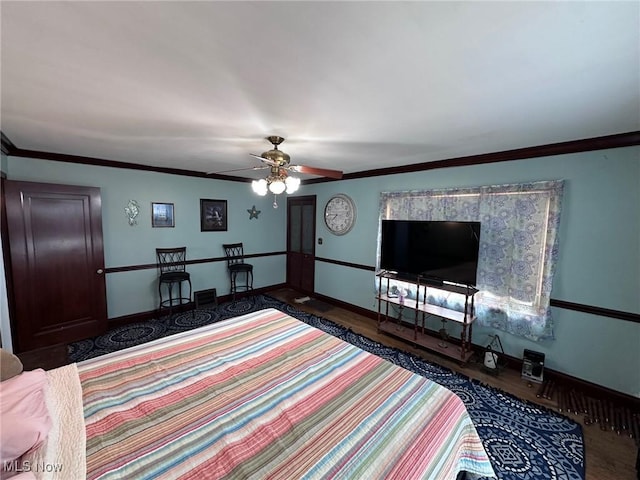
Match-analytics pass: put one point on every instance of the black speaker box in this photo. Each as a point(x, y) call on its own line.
point(533, 366)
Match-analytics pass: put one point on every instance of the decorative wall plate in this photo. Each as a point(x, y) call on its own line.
point(132, 210)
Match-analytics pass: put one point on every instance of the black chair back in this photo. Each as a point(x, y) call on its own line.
point(171, 259)
point(234, 253)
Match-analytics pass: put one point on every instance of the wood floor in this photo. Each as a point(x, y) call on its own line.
point(608, 455)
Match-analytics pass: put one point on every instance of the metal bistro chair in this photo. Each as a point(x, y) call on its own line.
point(235, 264)
point(171, 262)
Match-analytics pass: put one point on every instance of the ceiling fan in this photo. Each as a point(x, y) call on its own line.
point(278, 180)
point(277, 158)
point(278, 162)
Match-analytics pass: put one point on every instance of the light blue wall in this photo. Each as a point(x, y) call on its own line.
point(136, 291)
point(599, 261)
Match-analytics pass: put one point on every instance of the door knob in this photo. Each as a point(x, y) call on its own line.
point(99, 271)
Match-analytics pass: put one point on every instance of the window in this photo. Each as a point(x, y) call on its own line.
point(518, 246)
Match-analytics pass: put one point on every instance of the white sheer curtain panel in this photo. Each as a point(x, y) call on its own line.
point(518, 247)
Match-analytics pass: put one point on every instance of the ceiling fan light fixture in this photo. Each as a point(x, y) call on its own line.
point(260, 187)
point(278, 181)
point(277, 187)
point(292, 184)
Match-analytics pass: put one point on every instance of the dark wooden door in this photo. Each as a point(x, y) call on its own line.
point(301, 233)
point(57, 263)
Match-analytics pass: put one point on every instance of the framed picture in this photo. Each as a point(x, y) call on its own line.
point(162, 215)
point(213, 215)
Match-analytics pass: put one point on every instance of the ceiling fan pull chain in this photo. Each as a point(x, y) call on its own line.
point(275, 201)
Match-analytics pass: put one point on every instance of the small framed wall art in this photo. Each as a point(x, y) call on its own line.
point(213, 215)
point(162, 215)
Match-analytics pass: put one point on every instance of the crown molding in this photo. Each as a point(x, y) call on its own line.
point(7, 145)
point(619, 140)
point(573, 146)
point(101, 162)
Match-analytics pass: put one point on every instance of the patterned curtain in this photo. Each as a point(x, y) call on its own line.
point(518, 247)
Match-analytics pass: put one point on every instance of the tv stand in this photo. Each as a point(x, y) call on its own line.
point(433, 281)
point(413, 329)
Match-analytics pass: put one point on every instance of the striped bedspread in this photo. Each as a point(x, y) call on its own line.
point(267, 396)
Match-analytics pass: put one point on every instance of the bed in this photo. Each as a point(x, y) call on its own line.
point(259, 396)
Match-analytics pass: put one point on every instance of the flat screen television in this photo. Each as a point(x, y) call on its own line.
point(438, 251)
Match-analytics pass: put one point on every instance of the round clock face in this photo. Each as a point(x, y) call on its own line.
point(340, 214)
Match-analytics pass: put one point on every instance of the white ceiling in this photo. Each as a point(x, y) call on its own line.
point(351, 85)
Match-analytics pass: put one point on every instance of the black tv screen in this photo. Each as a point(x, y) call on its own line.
point(438, 251)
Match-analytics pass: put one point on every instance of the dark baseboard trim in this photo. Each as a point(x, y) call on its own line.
point(347, 306)
point(514, 363)
point(139, 317)
point(151, 314)
point(589, 388)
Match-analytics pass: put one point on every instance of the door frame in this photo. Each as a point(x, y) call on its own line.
point(302, 199)
point(98, 318)
point(6, 341)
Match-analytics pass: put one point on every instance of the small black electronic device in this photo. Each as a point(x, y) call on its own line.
point(533, 366)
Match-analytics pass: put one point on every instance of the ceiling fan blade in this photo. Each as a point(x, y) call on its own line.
point(323, 172)
point(265, 160)
point(261, 167)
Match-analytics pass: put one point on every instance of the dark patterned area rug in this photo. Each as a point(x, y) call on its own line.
point(523, 440)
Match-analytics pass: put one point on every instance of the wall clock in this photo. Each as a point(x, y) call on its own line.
point(340, 214)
